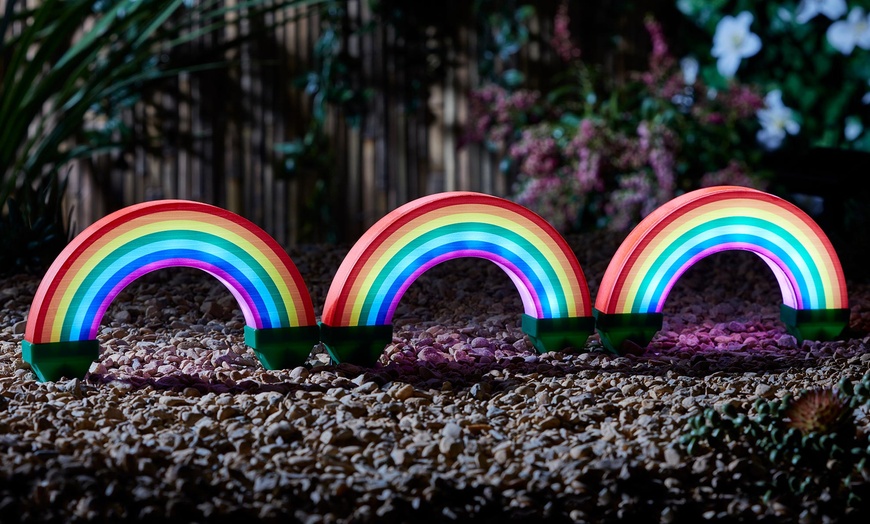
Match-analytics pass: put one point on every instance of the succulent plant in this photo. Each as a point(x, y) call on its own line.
point(809, 442)
point(819, 410)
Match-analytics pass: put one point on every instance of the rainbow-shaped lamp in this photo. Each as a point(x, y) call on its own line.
point(64, 320)
point(666, 243)
point(388, 258)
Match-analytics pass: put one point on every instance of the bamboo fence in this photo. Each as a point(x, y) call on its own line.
point(210, 136)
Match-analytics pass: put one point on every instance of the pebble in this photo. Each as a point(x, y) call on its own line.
point(403, 392)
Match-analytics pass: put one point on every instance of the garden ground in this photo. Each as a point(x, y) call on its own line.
point(178, 421)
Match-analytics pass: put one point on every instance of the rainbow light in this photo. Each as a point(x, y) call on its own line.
point(692, 226)
point(404, 244)
point(100, 262)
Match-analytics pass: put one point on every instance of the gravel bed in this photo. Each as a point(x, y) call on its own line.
point(461, 419)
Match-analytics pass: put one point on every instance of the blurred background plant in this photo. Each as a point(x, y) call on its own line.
point(425, 40)
point(593, 115)
point(809, 57)
point(68, 71)
point(591, 151)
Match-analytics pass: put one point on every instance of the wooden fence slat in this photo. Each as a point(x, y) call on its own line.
point(220, 127)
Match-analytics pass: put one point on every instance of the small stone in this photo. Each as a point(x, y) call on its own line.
point(336, 437)
point(452, 430)
point(281, 429)
point(171, 400)
point(403, 392)
point(19, 327)
point(577, 452)
point(480, 342)
point(477, 392)
point(672, 457)
point(299, 373)
point(122, 316)
point(432, 355)
point(226, 412)
point(736, 327)
point(367, 387)
point(763, 390)
point(400, 457)
point(550, 423)
point(191, 392)
point(450, 447)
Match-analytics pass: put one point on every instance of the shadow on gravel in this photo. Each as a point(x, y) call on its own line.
point(507, 374)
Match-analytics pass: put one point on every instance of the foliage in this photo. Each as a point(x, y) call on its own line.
point(815, 53)
point(809, 444)
point(425, 41)
point(590, 152)
point(33, 228)
point(68, 71)
point(424, 44)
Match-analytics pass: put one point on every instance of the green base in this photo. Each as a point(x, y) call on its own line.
point(556, 334)
point(360, 345)
point(282, 348)
point(52, 361)
point(616, 329)
point(814, 324)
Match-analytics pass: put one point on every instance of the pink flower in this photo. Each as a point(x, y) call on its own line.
point(632, 197)
point(561, 40)
point(536, 151)
point(660, 53)
point(494, 113)
point(734, 174)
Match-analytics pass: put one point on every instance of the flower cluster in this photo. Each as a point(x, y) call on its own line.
point(497, 112)
point(809, 57)
point(561, 41)
point(588, 154)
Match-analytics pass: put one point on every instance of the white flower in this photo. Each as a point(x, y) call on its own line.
point(854, 128)
point(689, 68)
point(844, 35)
point(776, 120)
point(733, 42)
point(808, 9)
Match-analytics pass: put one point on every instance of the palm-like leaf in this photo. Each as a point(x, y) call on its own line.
point(65, 61)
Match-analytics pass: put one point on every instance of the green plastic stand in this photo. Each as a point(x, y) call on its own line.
point(52, 361)
point(360, 345)
point(616, 329)
point(814, 324)
point(555, 334)
point(282, 348)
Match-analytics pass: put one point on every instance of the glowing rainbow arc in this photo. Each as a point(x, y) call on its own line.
point(407, 242)
point(99, 263)
point(697, 224)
